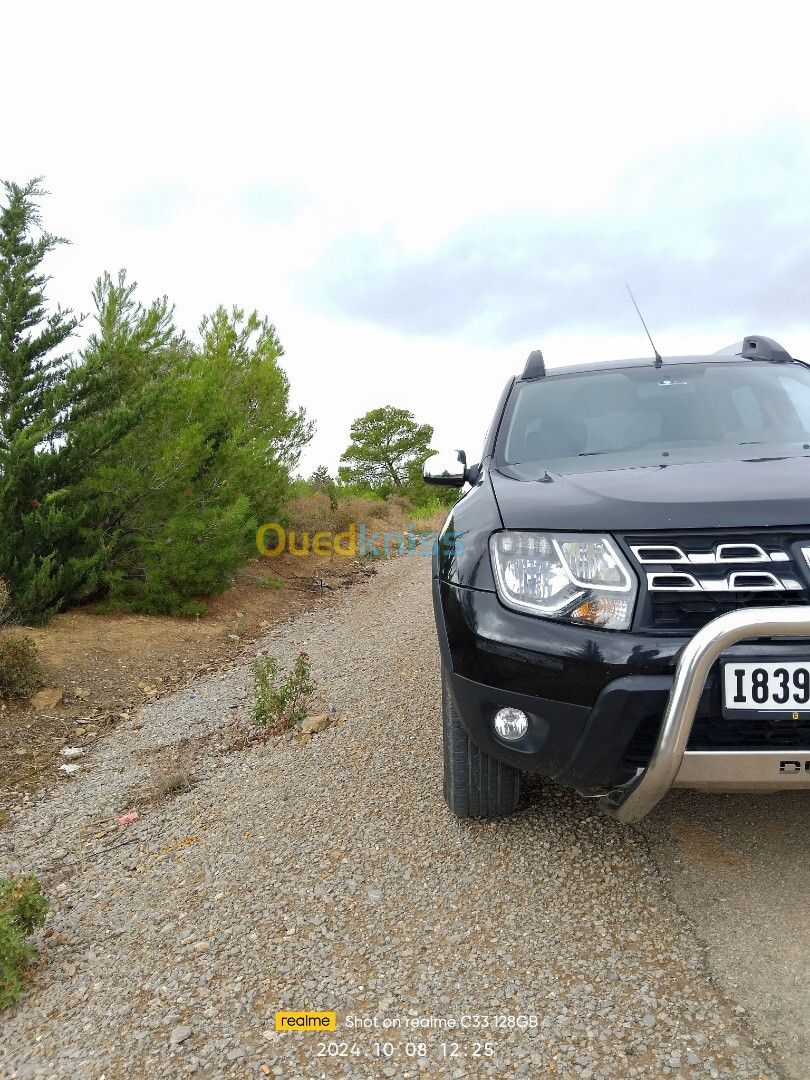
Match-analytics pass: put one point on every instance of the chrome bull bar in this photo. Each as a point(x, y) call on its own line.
point(671, 765)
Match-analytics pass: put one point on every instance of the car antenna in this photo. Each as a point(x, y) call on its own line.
point(658, 360)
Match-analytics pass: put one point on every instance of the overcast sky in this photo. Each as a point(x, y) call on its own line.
point(419, 194)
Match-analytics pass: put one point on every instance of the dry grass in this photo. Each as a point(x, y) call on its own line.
point(312, 513)
point(172, 772)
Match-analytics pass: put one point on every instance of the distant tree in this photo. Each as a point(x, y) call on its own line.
point(386, 451)
point(323, 482)
point(38, 522)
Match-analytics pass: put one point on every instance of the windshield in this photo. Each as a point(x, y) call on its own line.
point(674, 414)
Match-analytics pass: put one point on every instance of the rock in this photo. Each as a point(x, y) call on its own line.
point(313, 724)
point(81, 694)
point(46, 699)
point(179, 1035)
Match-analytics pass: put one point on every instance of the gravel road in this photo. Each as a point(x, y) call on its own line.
point(331, 876)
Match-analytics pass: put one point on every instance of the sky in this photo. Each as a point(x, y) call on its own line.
point(419, 195)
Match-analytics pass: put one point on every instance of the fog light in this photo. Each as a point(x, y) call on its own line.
point(511, 724)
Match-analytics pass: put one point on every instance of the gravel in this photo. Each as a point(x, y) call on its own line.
point(331, 876)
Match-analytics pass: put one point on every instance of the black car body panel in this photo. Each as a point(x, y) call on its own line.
point(701, 495)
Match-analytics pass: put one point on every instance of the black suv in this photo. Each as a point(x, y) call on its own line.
point(622, 596)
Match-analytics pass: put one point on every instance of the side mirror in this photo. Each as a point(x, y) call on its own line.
point(448, 469)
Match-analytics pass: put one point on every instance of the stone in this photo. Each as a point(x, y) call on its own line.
point(314, 724)
point(46, 699)
point(179, 1034)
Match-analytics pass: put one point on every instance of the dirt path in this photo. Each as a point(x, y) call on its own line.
point(105, 666)
point(330, 876)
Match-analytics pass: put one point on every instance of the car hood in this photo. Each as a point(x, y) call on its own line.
point(725, 494)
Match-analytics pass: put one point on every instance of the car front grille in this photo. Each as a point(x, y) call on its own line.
point(689, 578)
point(720, 733)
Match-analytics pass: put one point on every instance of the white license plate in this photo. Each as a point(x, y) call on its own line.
point(779, 687)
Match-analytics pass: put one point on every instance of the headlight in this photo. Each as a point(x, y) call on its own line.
point(575, 578)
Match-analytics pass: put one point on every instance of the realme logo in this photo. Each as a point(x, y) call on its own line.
point(305, 1021)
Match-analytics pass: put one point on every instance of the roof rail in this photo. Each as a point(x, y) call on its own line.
point(535, 368)
point(756, 347)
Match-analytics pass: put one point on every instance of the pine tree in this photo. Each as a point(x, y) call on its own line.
point(37, 529)
point(178, 451)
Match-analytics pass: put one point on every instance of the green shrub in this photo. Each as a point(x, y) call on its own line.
point(22, 908)
point(271, 582)
point(20, 673)
point(429, 508)
point(280, 702)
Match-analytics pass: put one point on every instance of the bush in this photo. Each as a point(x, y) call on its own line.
point(401, 503)
point(22, 908)
point(20, 673)
point(311, 514)
point(280, 703)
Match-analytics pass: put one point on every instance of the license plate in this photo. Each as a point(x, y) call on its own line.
point(766, 687)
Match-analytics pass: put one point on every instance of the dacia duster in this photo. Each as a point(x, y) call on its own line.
point(622, 595)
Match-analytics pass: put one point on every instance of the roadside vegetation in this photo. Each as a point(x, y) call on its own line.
point(22, 908)
point(281, 699)
point(20, 673)
point(135, 473)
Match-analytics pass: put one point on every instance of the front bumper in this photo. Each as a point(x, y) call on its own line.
point(671, 764)
point(591, 695)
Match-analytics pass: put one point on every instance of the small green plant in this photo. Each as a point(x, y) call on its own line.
point(280, 702)
point(22, 908)
point(20, 673)
point(271, 582)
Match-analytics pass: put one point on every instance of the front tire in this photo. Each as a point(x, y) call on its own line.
point(476, 785)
